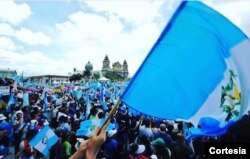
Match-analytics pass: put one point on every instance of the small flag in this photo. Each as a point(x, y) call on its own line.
point(87, 127)
point(26, 99)
point(44, 140)
point(12, 100)
point(45, 104)
point(102, 98)
point(78, 94)
point(88, 106)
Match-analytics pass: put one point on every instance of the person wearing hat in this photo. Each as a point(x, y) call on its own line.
point(5, 132)
point(136, 151)
point(160, 148)
point(153, 157)
point(162, 133)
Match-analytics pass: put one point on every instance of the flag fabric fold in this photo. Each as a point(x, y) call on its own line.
point(198, 68)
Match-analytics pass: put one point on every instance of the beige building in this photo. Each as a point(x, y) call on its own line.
point(116, 67)
point(52, 79)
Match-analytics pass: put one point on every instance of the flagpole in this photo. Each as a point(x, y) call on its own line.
point(111, 113)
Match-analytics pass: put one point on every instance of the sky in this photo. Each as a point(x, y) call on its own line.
point(53, 36)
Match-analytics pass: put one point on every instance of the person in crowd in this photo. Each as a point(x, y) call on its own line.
point(63, 123)
point(160, 149)
point(145, 129)
point(25, 150)
point(134, 129)
point(144, 140)
point(65, 146)
point(18, 126)
point(180, 149)
point(162, 133)
point(170, 128)
point(111, 146)
point(55, 150)
point(5, 135)
point(154, 127)
point(136, 151)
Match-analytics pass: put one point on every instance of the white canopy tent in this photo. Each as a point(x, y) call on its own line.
point(104, 79)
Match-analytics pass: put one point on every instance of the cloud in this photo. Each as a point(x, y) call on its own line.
point(25, 35)
point(6, 43)
point(13, 13)
point(90, 36)
point(137, 12)
point(120, 29)
point(6, 29)
point(236, 11)
point(33, 63)
point(31, 38)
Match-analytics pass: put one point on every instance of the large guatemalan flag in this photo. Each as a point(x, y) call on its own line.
point(44, 140)
point(198, 70)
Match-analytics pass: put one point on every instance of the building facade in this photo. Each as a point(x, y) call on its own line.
point(51, 79)
point(117, 68)
point(7, 73)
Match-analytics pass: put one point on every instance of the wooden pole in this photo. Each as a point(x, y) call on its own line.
point(111, 114)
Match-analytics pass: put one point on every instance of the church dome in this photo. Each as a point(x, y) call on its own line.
point(89, 66)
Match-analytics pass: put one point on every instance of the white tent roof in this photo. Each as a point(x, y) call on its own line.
point(103, 79)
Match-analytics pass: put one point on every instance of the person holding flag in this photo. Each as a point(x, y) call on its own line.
point(90, 148)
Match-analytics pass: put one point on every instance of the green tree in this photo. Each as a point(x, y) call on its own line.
point(113, 76)
point(86, 73)
point(96, 76)
point(75, 77)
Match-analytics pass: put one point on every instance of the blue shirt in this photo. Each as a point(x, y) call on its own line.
point(111, 148)
point(4, 125)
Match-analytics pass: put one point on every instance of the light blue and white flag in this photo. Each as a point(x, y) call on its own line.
point(44, 140)
point(88, 106)
point(87, 127)
point(18, 79)
point(78, 94)
point(12, 100)
point(198, 68)
point(26, 99)
point(102, 97)
point(45, 100)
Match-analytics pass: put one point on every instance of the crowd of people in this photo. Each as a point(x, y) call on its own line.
point(134, 136)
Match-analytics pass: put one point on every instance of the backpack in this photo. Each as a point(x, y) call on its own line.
point(27, 150)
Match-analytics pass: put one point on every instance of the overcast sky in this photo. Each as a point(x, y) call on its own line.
point(43, 37)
